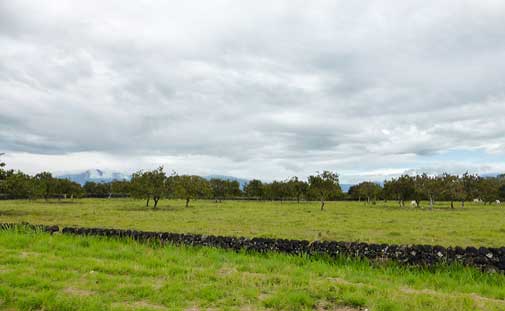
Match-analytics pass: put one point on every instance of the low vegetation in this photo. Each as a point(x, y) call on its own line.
point(43, 272)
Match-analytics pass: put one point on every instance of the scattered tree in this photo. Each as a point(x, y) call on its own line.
point(324, 185)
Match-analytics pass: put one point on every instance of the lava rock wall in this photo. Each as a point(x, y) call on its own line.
point(488, 259)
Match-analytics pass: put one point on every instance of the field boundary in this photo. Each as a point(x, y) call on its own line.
point(487, 259)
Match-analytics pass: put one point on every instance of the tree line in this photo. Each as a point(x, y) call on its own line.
point(446, 187)
point(154, 185)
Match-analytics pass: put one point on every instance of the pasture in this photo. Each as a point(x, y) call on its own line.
point(43, 272)
point(474, 225)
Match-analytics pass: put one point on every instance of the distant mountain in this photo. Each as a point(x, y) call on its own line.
point(241, 181)
point(95, 175)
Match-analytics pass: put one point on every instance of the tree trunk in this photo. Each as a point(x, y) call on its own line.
point(462, 203)
point(431, 203)
point(147, 202)
point(322, 204)
point(452, 204)
point(156, 199)
point(187, 202)
point(418, 203)
point(298, 199)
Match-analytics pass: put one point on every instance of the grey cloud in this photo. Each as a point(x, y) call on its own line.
point(329, 84)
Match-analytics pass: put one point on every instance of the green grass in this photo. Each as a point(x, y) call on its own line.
point(43, 272)
point(475, 225)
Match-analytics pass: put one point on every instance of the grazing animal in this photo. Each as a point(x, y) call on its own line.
point(498, 202)
point(477, 201)
point(413, 204)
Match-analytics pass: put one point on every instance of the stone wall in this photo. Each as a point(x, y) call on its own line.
point(489, 259)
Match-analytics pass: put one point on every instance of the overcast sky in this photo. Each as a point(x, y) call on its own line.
point(267, 89)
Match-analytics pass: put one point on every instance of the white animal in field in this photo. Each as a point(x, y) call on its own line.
point(413, 204)
point(498, 202)
point(477, 201)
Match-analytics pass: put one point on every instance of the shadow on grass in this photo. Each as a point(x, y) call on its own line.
point(56, 202)
point(15, 213)
point(150, 208)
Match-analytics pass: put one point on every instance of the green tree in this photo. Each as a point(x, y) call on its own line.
point(280, 190)
point(403, 188)
point(122, 187)
point(191, 187)
point(68, 188)
point(45, 185)
point(149, 185)
point(93, 189)
point(489, 189)
point(218, 188)
point(18, 186)
point(232, 188)
point(469, 189)
point(453, 188)
point(254, 189)
point(297, 188)
point(324, 186)
point(369, 190)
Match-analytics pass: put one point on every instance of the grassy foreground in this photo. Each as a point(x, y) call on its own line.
point(475, 225)
point(43, 272)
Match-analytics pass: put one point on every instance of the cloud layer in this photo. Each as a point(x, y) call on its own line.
point(253, 88)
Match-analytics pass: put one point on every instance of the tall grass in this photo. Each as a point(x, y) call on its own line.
point(59, 272)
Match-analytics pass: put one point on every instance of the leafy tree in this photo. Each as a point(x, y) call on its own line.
point(489, 189)
point(298, 188)
point(93, 189)
point(190, 187)
point(149, 184)
point(68, 188)
point(324, 185)
point(18, 186)
point(218, 188)
point(45, 185)
point(3, 172)
point(232, 188)
point(280, 190)
point(254, 189)
point(121, 186)
point(453, 188)
point(428, 187)
point(403, 188)
point(469, 189)
point(221, 189)
point(369, 190)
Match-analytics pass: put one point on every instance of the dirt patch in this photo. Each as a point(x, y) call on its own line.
point(345, 282)
point(263, 296)
point(254, 275)
point(478, 299)
point(78, 292)
point(28, 254)
point(323, 306)
point(140, 304)
point(224, 271)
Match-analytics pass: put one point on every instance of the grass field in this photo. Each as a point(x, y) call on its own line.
point(475, 225)
point(43, 272)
